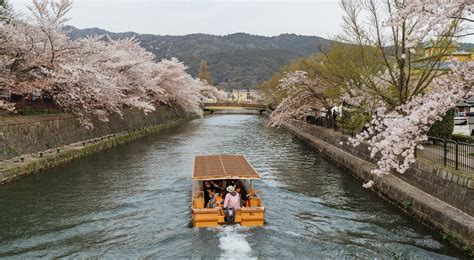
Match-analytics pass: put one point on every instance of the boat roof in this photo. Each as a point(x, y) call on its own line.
point(217, 167)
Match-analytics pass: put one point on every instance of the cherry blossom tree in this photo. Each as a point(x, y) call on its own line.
point(395, 133)
point(180, 89)
point(398, 36)
point(39, 56)
point(90, 81)
point(304, 96)
point(33, 47)
point(94, 76)
point(210, 92)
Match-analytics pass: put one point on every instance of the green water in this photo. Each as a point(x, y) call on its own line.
point(134, 201)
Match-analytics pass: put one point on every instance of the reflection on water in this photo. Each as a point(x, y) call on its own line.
point(134, 200)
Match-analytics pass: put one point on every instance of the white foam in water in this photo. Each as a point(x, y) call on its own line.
point(233, 244)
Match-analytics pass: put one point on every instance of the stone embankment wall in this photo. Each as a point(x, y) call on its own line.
point(27, 164)
point(430, 204)
point(29, 134)
point(449, 185)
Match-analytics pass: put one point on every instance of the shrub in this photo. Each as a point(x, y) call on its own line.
point(443, 128)
point(353, 121)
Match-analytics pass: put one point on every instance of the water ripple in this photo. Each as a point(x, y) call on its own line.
point(134, 201)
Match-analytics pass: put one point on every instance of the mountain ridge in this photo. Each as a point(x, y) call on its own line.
point(238, 60)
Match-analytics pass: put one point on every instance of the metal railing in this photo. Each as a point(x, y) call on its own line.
point(450, 153)
point(243, 104)
point(323, 122)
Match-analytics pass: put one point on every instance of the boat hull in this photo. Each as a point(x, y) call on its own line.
point(213, 217)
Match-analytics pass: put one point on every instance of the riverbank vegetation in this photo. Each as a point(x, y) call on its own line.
point(89, 77)
point(391, 69)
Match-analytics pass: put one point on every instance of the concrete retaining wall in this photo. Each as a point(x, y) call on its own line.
point(17, 168)
point(28, 134)
point(449, 185)
point(455, 224)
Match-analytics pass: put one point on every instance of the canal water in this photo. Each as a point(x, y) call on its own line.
point(134, 201)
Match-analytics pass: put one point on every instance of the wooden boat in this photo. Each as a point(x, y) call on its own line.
point(217, 168)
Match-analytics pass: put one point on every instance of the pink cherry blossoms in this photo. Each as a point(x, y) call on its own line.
point(432, 15)
point(93, 76)
point(394, 135)
point(304, 96)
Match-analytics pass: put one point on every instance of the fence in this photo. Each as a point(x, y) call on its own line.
point(450, 153)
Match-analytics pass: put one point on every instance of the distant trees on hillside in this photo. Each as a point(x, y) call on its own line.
point(5, 9)
point(204, 73)
point(235, 61)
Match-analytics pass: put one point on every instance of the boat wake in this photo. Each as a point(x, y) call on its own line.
point(233, 244)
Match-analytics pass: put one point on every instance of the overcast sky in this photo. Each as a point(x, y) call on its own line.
point(178, 17)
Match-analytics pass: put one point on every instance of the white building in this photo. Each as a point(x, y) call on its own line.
point(245, 95)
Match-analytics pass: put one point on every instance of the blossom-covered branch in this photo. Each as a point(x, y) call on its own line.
point(304, 96)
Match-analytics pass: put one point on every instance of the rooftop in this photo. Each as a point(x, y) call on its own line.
point(213, 167)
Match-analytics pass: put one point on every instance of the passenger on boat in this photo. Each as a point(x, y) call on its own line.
point(223, 185)
point(219, 200)
point(208, 195)
point(206, 186)
point(212, 200)
point(250, 196)
point(216, 200)
point(238, 189)
point(232, 199)
point(215, 184)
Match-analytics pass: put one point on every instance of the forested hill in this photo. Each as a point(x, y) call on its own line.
point(237, 60)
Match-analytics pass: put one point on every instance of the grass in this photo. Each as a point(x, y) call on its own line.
point(463, 138)
point(37, 112)
point(407, 204)
point(453, 238)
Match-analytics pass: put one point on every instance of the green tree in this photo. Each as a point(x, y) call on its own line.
point(5, 11)
point(352, 121)
point(348, 63)
point(350, 66)
point(443, 128)
point(204, 73)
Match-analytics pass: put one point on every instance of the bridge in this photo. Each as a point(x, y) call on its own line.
point(213, 107)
